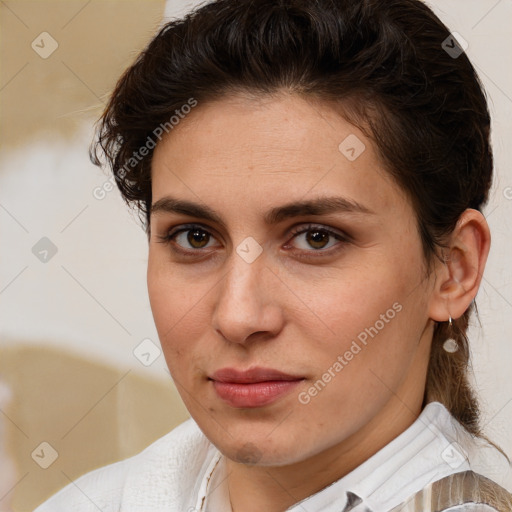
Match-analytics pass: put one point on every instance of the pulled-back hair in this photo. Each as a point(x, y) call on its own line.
point(393, 69)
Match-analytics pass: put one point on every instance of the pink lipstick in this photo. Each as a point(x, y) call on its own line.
point(251, 388)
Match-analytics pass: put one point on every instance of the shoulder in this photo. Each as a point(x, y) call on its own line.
point(482, 457)
point(138, 478)
point(465, 491)
point(468, 474)
point(98, 490)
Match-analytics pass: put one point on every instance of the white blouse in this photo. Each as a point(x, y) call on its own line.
point(184, 472)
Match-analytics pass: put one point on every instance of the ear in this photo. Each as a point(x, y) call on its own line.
point(458, 277)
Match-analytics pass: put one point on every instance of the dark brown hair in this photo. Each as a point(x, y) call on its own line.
point(394, 69)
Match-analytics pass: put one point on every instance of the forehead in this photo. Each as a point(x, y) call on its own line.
point(267, 149)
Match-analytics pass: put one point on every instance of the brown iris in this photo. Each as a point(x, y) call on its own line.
point(197, 236)
point(317, 239)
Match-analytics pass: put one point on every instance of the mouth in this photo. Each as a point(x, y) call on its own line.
point(252, 388)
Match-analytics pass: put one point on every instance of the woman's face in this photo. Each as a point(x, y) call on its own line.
point(291, 304)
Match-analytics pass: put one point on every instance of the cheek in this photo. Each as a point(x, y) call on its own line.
point(180, 313)
point(351, 299)
point(167, 300)
point(365, 313)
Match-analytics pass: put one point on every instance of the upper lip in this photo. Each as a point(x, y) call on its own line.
point(251, 375)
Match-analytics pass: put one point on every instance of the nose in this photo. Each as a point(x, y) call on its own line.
point(247, 302)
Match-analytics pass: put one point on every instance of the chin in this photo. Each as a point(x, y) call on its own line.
point(263, 451)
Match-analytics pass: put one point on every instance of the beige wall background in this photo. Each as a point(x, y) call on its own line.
point(83, 380)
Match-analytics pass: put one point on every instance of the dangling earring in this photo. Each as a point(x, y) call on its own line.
point(450, 345)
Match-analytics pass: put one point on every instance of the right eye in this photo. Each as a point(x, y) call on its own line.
point(194, 235)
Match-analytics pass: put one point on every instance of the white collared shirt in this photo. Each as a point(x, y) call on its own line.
point(184, 472)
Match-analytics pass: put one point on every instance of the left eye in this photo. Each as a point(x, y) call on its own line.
point(318, 237)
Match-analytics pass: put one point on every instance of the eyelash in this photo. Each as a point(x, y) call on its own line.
point(343, 238)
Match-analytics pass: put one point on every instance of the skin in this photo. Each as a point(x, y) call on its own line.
point(241, 157)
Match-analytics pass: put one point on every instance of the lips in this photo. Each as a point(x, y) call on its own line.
point(252, 375)
point(254, 387)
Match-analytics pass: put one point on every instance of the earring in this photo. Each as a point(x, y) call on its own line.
point(450, 345)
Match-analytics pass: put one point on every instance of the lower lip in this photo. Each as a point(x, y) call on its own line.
point(256, 394)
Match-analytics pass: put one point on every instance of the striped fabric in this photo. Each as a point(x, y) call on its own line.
point(459, 492)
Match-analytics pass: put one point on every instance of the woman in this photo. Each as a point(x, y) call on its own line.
point(311, 177)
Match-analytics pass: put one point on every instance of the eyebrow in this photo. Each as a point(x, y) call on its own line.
point(318, 206)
